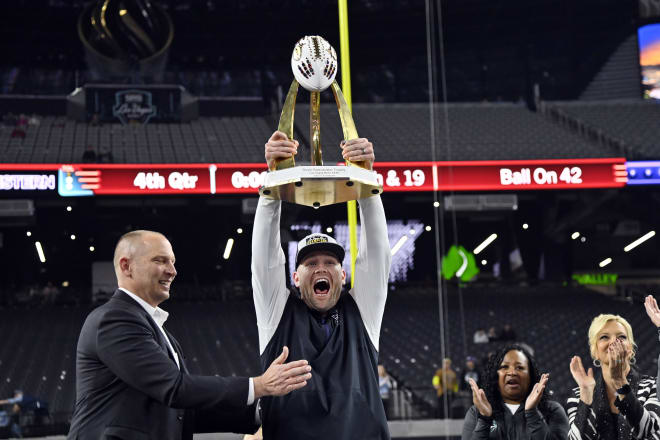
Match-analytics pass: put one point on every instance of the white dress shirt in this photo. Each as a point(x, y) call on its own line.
point(160, 316)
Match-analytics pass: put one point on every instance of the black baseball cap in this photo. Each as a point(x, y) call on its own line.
point(319, 243)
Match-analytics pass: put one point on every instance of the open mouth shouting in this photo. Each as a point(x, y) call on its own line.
point(322, 287)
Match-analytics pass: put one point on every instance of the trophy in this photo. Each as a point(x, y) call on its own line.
point(314, 65)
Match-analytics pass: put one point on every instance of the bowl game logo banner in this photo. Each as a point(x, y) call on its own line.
point(133, 106)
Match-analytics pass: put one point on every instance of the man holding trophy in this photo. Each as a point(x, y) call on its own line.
point(337, 332)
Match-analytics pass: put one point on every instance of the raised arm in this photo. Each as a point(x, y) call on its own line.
point(127, 346)
point(554, 427)
point(475, 427)
point(642, 411)
point(372, 267)
point(268, 274)
point(651, 306)
point(581, 418)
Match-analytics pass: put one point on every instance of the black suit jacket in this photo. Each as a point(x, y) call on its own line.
point(128, 385)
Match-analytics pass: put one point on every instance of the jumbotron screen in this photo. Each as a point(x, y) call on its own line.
point(402, 236)
point(649, 59)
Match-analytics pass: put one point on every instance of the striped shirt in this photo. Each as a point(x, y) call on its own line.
point(641, 411)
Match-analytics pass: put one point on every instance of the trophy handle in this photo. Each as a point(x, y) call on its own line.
point(347, 124)
point(286, 124)
point(315, 127)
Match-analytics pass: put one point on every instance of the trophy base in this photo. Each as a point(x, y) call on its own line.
point(318, 186)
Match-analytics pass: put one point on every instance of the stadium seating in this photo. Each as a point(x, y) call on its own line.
point(552, 321)
point(38, 352)
point(619, 77)
point(57, 139)
point(473, 132)
point(399, 131)
point(634, 121)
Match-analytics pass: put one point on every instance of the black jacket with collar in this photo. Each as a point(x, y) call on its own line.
point(128, 385)
point(523, 425)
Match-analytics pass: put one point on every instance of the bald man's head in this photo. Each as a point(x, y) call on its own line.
point(131, 243)
point(144, 265)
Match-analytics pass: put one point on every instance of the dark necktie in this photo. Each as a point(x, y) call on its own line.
point(329, 322)
point(327, 328)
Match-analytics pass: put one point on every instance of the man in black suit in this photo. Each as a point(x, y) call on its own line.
point(131, 379)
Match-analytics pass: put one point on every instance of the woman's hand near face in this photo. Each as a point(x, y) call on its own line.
point(618, 363)
point(537, 392)
point(479, 399)
point(585, 380)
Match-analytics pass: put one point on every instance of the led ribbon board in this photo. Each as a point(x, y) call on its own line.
point(27, 182)
point(643, 172)
point(246, 178)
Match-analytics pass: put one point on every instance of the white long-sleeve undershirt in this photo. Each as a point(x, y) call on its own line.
point(372, 268)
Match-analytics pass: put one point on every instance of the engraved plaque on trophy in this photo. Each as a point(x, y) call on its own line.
point(314, 65)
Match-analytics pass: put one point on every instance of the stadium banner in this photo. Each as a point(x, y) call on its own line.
point(71, 180)
point(134, 104)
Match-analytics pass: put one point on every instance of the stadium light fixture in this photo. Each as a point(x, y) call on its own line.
point(427, 229)
point(328, 230)
point(69, 208)
point(73, 236)
point(399, 243)
point(239, 230)
point(28, 233)
point(525, 226)
point(639, 241)
point(575, 235)
point(40, 251)
point(484, 262)
point(230, 244)
point(484, 244)
point(92, 248)
point(605, 262)
point(583, 239)
point(436, 204)
point(412, 231)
